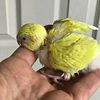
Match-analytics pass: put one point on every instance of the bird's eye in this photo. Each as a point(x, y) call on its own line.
point(24, 38)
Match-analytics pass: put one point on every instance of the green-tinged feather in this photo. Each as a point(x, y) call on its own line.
point(72, 53)
point(67, 26)
point(73, 26)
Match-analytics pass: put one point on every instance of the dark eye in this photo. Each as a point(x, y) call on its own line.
point(24, 38)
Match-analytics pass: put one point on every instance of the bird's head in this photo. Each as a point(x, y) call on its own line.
point(31, 36)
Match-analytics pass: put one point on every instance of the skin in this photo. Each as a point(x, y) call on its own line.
point(19, 82)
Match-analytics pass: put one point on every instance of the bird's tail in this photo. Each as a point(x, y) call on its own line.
point(92, 27)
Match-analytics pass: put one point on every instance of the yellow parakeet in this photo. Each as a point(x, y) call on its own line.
point(67, 47)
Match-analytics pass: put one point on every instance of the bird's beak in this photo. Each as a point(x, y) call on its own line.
point(18, 40)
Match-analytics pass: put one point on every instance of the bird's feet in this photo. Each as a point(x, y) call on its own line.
point(55, 76)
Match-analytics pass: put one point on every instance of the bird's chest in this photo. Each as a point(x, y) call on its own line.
point(43, 56)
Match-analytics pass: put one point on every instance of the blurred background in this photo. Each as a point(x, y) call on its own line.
point(14, 13)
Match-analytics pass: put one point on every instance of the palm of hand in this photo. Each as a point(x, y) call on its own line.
point(20, 82)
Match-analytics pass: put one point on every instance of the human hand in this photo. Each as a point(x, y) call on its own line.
point(19, 82)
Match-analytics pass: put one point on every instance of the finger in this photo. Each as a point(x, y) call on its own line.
point(56, 95)
point(19, 63)
point(25, 54)
point(86, 86)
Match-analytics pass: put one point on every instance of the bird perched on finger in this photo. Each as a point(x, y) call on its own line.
point(66, 47)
